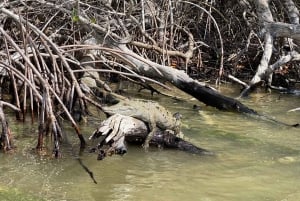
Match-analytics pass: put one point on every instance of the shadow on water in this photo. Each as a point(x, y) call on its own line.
point(255, 160)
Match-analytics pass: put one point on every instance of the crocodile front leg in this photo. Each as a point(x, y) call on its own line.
point(153, 129)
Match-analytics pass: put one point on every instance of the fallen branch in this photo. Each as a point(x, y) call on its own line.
point(118, 129)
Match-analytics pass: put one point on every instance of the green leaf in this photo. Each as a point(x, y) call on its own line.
point(93, 20)
point(75, 17)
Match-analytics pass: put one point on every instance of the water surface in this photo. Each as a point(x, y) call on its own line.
point(255, 160)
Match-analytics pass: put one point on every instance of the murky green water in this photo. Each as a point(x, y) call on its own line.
point(254, 160)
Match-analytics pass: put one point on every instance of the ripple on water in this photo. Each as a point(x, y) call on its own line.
point(254, 160)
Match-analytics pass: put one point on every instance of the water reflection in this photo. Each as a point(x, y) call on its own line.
point(254, 160)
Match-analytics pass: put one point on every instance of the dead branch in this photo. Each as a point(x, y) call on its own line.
point(114, 132)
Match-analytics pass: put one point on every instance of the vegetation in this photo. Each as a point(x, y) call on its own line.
point(54, 54)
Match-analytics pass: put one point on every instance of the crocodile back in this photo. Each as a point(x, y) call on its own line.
point(146, 111)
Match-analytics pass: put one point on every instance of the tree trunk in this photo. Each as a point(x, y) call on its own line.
point(272, 30)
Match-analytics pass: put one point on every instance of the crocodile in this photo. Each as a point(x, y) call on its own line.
point(149, 112)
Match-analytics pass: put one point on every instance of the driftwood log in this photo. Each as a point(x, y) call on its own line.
point(114, 132)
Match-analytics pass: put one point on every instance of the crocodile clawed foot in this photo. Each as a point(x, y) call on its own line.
point(146, 146)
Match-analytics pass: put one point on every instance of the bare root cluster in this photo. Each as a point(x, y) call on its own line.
point(52, 52)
